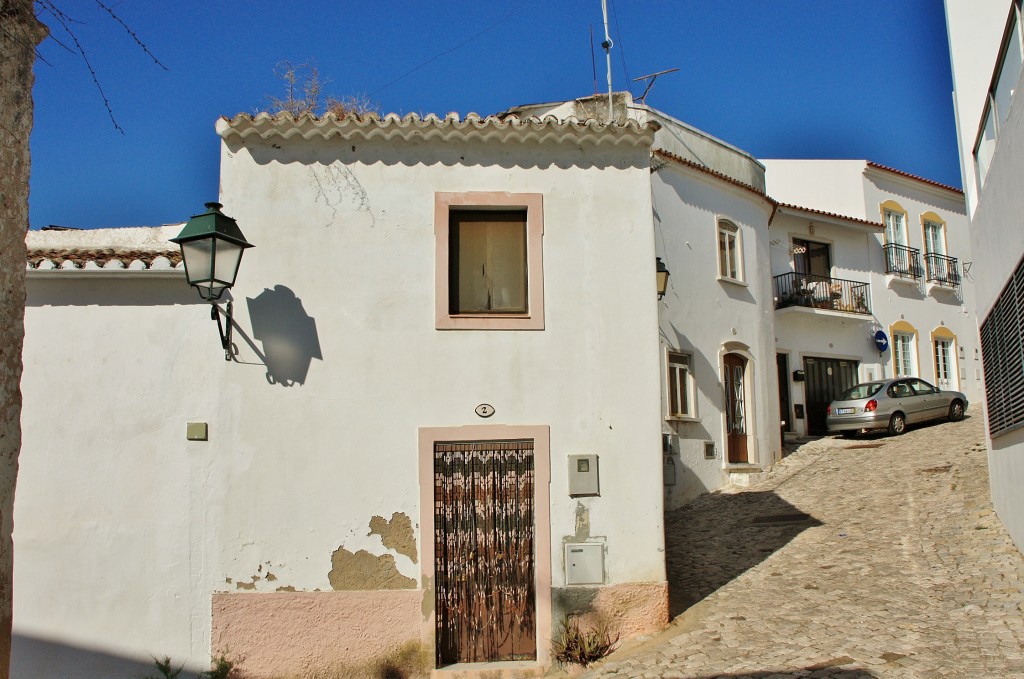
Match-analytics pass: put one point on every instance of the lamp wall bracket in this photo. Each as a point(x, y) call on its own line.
point(224, 329)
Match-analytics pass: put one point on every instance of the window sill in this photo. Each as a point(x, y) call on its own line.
point(733, 281)
point(489, 322)
point(682, 418)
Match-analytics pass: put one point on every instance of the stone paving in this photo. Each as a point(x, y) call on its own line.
point(876, 557)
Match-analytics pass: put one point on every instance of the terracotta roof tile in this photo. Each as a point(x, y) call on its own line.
point(668, 155)
point(451, 126)
point(834, 215)
point(901, 173)
point(88, 259)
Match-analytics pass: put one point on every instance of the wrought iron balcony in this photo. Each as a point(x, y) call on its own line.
point(903, 261)
point(942, 270)
point(822, 292)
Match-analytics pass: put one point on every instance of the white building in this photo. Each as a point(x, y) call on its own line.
point(428, 299)
point(859, 248)
point(986, 56)
point(719, 408)
point(374, 375)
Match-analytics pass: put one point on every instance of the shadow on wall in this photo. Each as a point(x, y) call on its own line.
point(34, 658)
point(287, 333)
point(718, 537)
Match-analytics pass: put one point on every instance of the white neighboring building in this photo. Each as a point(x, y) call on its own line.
point(857, 248)
point(302, 534)
point(986, 55)
point(719, 407)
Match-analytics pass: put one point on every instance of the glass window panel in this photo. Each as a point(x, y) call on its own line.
point(895, 231)
point(1009, 74)
point(933, 240)
point(986, 147)
point(226, 262)
point(198, 261)
point(487, 261)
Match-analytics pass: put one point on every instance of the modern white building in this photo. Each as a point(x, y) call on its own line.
point(858, 248)
point(986, 56)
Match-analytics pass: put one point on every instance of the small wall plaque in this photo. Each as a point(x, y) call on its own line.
point(485, 410)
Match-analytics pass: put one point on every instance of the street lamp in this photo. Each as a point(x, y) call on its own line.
point(663, 275)
point(211, 248)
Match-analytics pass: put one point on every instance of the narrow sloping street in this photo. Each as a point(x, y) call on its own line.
point(877, 557)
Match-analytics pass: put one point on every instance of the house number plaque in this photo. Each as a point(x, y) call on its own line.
point(485, 410)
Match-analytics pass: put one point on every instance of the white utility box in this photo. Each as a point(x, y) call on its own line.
point(584, 563)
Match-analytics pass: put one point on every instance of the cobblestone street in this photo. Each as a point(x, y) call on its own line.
point(876, 557)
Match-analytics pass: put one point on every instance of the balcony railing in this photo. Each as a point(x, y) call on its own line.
point(903, 261)
point(822, 292)
point(942, 270)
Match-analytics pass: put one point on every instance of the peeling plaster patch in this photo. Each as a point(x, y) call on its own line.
point(271, 577)
point(286, 588)
point(246, 585)
point(396, 534)
point(364, 571)
point(582, 522)
point(228, 580)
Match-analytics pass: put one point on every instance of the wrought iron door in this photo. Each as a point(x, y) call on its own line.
point(484, 551)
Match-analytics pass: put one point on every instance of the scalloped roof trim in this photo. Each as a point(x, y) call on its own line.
point(473, 126)
point(106, 259)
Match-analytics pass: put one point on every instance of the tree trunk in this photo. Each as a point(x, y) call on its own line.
point(20, 32)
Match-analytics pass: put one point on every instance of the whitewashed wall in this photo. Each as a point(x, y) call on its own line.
point(700, 314)
point(125, 529)
point(112, 500)
point(351, 234)
point(975, 30)
point(928, 307)
point(801, 332)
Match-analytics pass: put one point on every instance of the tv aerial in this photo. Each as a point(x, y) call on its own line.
point(651, 78)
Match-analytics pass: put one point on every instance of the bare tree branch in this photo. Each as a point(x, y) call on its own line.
point(132, 33)
point(63, 19)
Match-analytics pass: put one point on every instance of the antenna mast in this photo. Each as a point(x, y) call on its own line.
point(607, 45)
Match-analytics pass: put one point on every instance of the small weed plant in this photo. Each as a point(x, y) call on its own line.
point(220, 668)
point(580, 646)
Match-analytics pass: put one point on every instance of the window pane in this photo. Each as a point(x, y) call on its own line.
point(1008, 75)
point(986, 146)
point(933, 241)
point(894, 228)
point(487, 261)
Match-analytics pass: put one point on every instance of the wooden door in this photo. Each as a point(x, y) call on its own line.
point(484, 551)
point(735, 408)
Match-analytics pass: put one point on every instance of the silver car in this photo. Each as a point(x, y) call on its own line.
point(892, 405)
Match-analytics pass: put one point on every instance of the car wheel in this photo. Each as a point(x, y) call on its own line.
point(956, 411)
point(848, 434)
point(897, 424)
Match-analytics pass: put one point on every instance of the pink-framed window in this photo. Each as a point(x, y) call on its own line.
point(489, 266)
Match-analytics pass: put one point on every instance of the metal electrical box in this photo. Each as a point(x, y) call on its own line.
point(583, 478)
point(584, 563)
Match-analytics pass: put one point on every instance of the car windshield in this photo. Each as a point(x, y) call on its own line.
point(866, 390)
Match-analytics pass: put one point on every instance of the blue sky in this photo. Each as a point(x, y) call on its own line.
point(781, 79)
